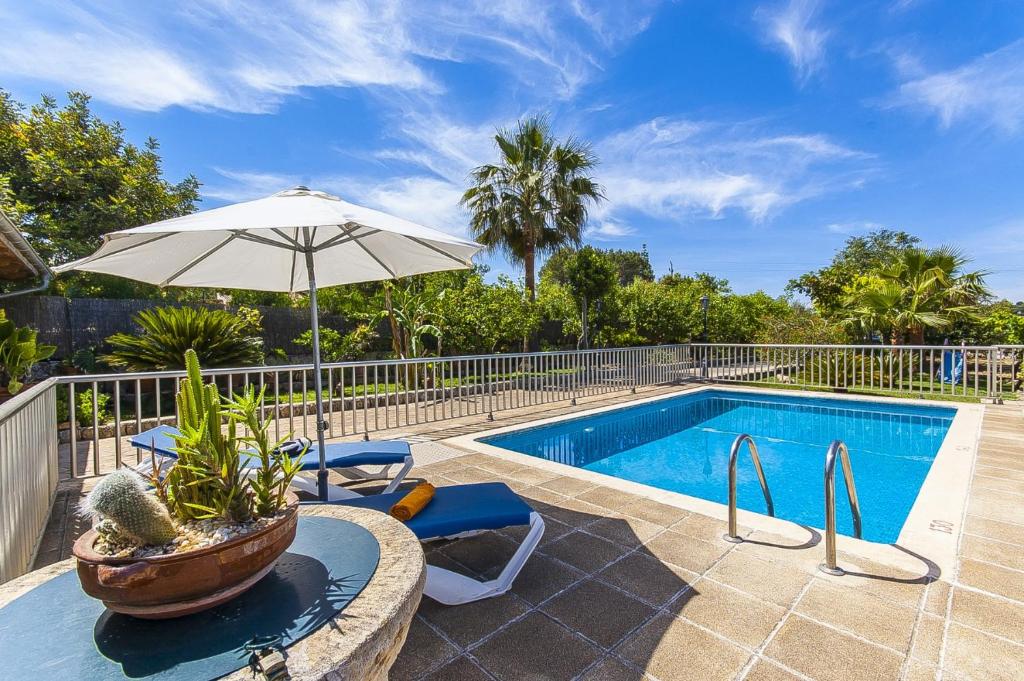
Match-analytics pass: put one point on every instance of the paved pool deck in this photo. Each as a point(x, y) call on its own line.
point(627, 586)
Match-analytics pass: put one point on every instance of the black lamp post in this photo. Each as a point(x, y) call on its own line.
point(704, 301)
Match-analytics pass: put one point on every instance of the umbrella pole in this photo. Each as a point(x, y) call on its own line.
point(321, 474)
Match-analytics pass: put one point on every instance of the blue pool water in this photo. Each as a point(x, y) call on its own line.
point(682, 444)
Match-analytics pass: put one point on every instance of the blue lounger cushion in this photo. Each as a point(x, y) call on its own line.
point(339, 454)
point(457, 509)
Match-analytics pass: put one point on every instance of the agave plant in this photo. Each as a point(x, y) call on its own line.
point(218, 338)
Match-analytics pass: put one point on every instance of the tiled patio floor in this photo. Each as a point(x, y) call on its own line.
point(623, 587)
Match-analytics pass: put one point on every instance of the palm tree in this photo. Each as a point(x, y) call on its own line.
point(919, 290)
point(536, 199)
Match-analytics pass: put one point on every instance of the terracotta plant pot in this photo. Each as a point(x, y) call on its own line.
point(179, 584)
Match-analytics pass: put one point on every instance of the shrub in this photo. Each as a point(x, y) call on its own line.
point(83, 412)
point(19, 352)
point(219, 338)
point(335, 347)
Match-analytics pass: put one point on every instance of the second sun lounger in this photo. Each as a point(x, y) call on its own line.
point(343, 457)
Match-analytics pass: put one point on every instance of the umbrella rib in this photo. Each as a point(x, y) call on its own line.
point(196, 261)
point(344, 238)
point(295, 257)
point(293, 242)
point(85, 261)
point(436, 249)
point(246, 236)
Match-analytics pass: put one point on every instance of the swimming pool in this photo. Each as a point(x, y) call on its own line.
point(682, 444)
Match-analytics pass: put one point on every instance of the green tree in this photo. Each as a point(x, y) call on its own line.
point(798, 325)
point(536, 198)
point(702, 281)
point(919, 290)
point(996, 324)
point(557, 309)
point(655, 313)
point(629, 265)
point(827, 287)
point(632, 265)
point(590, 275)
point(70, 177)
point(476, 317)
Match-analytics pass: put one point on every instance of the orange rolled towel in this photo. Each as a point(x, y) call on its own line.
point(413, 502)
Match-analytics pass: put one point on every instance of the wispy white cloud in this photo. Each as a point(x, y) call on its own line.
point(904, 5)
point(614, 23)
point(792, 27)
point(231, 186)
point(677, 168)
point(248, 56)
point(230, 55)
point(988, 90)
point(608, 229)
point(426, 200)
point(668, 168)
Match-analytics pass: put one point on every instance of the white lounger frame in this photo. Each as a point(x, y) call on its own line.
point(452, 588)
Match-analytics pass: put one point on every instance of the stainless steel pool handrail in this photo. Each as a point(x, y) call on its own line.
point(734, 454)
point(837, 450)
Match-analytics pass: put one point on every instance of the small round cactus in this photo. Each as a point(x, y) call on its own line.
point(121, 497)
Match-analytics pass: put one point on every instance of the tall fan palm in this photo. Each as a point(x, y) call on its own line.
point(920, 290)
point(536, 199)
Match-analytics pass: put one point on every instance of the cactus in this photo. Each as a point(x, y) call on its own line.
point(121, 497)
point(208, 480)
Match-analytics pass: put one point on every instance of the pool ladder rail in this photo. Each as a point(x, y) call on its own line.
point(734, 454)
point(837, 450)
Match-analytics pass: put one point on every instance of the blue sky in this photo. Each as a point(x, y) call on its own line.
point(748, 139)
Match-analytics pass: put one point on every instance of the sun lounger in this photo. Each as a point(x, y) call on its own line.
point(460, 511)
point(343, 457)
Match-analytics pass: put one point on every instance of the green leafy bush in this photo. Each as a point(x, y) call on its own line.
point(83, 412)
point(335, 347)
point(484, 318)
point(219, 339)
point(19, 352)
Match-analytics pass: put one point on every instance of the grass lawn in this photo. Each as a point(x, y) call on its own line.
point(918, 389)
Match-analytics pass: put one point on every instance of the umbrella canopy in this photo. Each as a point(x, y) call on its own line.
point(292, 241)
point(261, 245)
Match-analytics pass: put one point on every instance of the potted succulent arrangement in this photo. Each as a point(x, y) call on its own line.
point(207, 530)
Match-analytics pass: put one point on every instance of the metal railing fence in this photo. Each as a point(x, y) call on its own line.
point(359, 397)
point(366, 397)
point(907, 370)
point(28, 474)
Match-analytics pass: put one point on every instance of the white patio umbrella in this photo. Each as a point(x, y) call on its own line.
point(292, 241)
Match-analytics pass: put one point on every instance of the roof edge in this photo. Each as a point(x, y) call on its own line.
point(21, 248)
